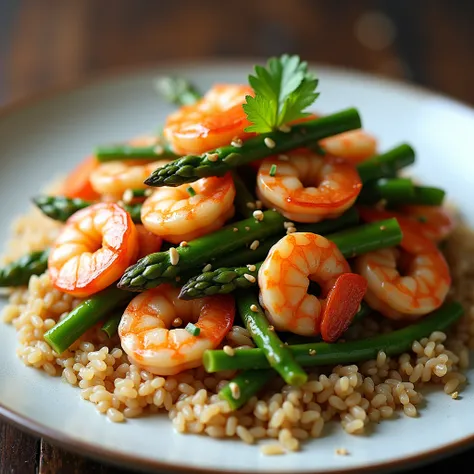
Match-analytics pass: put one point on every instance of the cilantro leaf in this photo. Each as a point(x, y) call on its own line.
point(283, 90)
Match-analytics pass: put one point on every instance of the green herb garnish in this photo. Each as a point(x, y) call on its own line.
point(192, 329)
point(273, 170)
point(191, 191)
point(283, 90)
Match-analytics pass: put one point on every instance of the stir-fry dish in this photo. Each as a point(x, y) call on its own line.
point(252, 269)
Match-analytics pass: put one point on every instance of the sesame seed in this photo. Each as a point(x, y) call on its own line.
point(148, 192)
point(228, 350)
point(342, 452)
point(235, 390)
point(207, 268)
point(258, 215)
point(312, 352)
point(247, 228)
point(254, 308)
point(382, 227)
point(158, 150)
point(251, 205)
point(254, 245)
point(271, 328)
point(258, 204)
point(249, 278)
point(290, 230)
point(283, 157)
point(269, 143)
point(252, 268)
point(237, 142)
point(127, 196)
point(174, 256)
point(284, 128)
point(212, 156)
point(183, 244)
point(288, 224)
point(235, 229)
point(454, 395)
point(177, 322)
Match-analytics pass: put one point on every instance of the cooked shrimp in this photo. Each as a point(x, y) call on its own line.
point(146, 336)
point(284, 279)
point(354, 146)
point(115, 177)
point(175, 215)
point(213, 121)
point(308, 187)
point(93, 250)
point(147, 241)
point(419, 288)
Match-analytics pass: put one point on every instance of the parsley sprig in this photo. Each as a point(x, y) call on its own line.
point(283, 90)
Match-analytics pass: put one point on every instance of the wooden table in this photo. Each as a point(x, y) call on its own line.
point(44, 44)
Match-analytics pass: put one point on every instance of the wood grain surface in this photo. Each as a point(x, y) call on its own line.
point(49, 43)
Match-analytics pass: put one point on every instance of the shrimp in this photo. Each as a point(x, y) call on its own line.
point(93, 250)
point(146, 336)
point(147, 242)
point(213, 121)
point(175, 215)
point(417, 289)
point(354, 146)
point(115, 177)
point(332, 186)
point(284, 278)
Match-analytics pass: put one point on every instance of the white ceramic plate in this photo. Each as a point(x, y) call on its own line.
point(51, 135)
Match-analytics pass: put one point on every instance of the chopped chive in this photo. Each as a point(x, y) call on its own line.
point(191, 191)
point(192, 329)
point(273, 170)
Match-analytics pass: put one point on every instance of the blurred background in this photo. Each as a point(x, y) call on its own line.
point(47, 43)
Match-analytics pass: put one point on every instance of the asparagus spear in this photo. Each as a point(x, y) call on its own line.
point(157, 268)
point(245, 256)
point(177, 90)
point(277, 354)
point(61, 208)
point(245, 386)
point(386, 164)
point(322, 353)
point(18, 273)
point(162, 267)
point(83, 317)
point(351, 242)
point(110, 326)
point(221, 160)
point(124, 151)
point(244, 201)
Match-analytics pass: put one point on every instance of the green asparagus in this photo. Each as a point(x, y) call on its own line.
point(322, 353)
point(221, 160)
point(351, 242)
point(265, 337)
point(83, 317)
point(110, 326)
point(244, 386)
point(124, 151)
point(61, 208)
point(245, 256)
point(162, 267)
point(18, 273)
point(177, 90)
point(386, 164)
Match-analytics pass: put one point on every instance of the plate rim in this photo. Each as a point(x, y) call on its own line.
point(68, 442)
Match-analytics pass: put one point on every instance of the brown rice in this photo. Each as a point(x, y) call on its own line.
point(355, 394)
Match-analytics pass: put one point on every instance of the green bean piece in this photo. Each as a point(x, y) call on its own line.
point(110, 327)
point(244, 386)
point(265, 337)
point(83, 317)
point(317, 354)
point(386, 164)
point(244, 200)
point(388, 189)
point(19, 272)
point(125, 151)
